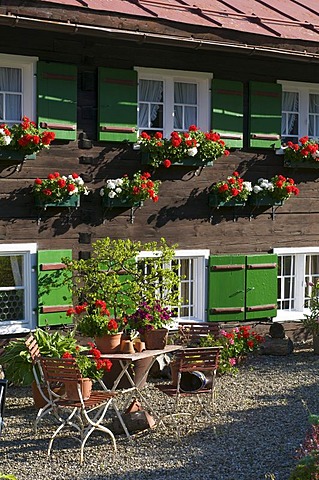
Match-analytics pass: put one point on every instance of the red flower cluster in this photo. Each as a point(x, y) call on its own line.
point(25, 137)
point(308, 150)
point(57, 187)
point(93, 368)
point(194, 143)
point(233, 187)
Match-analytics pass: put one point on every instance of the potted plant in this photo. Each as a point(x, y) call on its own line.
point(94, 321)
point(273, 192)
point(23, 140)
point(232, 192)
point(17, 362)
point(193, 147)
point(92, 368)
point(304, 154)
point(125, 192)
point(59, 190)
point(311, 322)
point(151, 320)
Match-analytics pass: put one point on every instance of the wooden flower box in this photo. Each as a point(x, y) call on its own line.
point(300, 164)
point(185, 162)
point(73, 201)
point(120, 202)
point(215, 201)
point(15, 155)
point(264, 200)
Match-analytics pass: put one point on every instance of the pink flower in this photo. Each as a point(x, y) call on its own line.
point(232, 361)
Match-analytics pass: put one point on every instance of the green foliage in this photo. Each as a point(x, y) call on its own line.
point(115, 274)
point(311, 322)
point(307, 468)
point(17, 360)
point(7, 477)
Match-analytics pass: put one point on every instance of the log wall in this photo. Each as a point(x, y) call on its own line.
point(182, 214)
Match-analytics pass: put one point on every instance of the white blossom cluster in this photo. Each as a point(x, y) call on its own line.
point(4, 139)
point(113, 187)
point(263, 185)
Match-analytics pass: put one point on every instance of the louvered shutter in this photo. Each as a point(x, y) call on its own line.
point(53, 301)
point(265, 114)
point(226, 288)
point(261, 286)
point(57, 99)
point(227, 111)
point(117, 105)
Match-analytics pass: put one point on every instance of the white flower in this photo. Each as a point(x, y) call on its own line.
point(102, 193)
point(247, 186)
point(111, 194)
point(119, 181)
point(192, 151)
point(118, 190)
point(6, 138)
point(257, 189)
point(110, 184)
point(79, 181)
point(86, 191)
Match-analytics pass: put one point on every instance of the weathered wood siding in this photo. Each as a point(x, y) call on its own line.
point(182, 214)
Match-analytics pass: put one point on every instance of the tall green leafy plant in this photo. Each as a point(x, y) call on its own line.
point(118, 274)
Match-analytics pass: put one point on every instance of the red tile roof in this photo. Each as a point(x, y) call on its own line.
point(283, 19)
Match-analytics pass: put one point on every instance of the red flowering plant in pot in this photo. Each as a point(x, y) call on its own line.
point(95, 321)
point(92, 368)
point(59, 188)
point(230, 191)
point(202, 147)
point(25, 137)
point(278, 188)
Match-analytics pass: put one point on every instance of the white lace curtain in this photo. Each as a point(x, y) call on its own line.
point(150, 94)
point(290, 101)
point(185, 108)
point(314, 118)
point(10, 94)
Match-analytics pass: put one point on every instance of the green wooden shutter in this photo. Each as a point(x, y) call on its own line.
point(53, 301)
point(226, 288)
point(117, 105)
point(227, 111)
point(261, 286)
point(265, 114)
point(57, 99)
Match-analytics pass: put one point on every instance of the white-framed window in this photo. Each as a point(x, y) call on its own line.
point(298, 271)
point(17, 88)
point(17, 287)
point(172, 100)
point(300, 110)
point(192, 270)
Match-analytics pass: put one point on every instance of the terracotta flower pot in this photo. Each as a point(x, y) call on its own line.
point(156, 339)
point(38, 400)
point(109, 343)
point(71, 389)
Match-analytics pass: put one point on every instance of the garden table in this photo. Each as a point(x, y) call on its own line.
point(126, 360)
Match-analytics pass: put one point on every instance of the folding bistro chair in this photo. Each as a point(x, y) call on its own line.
point(3, 394)
point(191, 334)
point(85, 416)
point(196, 379)
point(49, 407)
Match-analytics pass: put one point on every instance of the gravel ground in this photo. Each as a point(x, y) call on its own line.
point(260, 419)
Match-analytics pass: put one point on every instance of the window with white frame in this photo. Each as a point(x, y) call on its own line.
point(300, 110)
point(17, 287)
point(172, 100)
point(191, 267)
point(298, 272)
point(17, 88)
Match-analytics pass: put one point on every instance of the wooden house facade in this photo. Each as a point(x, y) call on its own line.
point(82, 67)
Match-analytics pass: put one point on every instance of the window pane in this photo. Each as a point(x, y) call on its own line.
point(11, 271)
point(10, 79)
point(11, 305)
point(313, 115)
point(13, 110)
point(185, 105)
point(150, 104)
point(290, 116)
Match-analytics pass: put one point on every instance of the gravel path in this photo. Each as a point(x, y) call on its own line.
point(260, 420)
